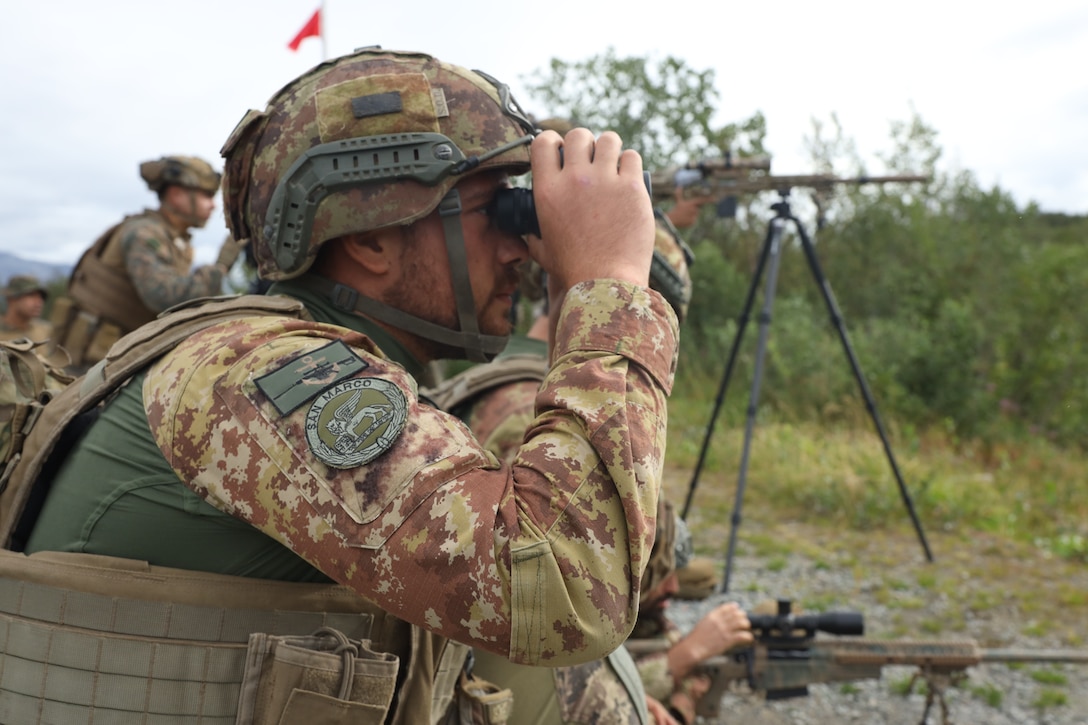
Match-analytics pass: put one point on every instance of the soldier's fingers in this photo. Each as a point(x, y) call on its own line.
point(544, 153)
point(607, 150)
point(578, 148)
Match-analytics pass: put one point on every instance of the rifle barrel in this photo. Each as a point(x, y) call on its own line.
point(941, 653)
point(1075, 656)
point(739, 182)
point(955, 654)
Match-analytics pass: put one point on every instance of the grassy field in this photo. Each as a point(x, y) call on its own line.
point(1007, 523)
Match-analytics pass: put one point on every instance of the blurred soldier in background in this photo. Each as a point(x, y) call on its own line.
point(142, 265)
point(25, 297)
point(671, 678)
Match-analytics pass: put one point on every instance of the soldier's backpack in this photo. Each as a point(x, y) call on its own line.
point(39, 407)
point(27, 383)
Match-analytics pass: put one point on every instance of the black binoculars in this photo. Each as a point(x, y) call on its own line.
point(514, 210)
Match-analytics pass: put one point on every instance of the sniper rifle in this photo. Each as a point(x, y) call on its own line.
point(787, 657)
point(721, 180)
point(704, 177)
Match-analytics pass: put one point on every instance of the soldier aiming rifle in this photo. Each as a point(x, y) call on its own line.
point(787, 657)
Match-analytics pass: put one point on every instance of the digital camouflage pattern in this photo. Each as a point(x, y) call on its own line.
point(539, 561)
point(371, 93)
point(594, 694)
point(672, 548)
point(653, 668)
point(606, 691)
point(134, 271)
point(672, 278)
point(499, 420)
point(158, 259)
point(662, 562)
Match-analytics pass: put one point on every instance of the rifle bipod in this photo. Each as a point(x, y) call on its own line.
point(936, 683)
point(769, 260)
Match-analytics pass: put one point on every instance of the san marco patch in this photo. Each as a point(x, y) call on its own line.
point(355, 421)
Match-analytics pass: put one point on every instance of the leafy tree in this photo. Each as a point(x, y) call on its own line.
point(663, 108)
point(964, 308)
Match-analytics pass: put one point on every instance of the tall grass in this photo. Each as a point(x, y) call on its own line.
point(1025, 488)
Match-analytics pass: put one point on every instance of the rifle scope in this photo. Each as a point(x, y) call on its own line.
point(785, 624)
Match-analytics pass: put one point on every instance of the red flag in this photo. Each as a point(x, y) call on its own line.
point(312, 29)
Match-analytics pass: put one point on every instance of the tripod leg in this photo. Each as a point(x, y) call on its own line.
point(774, 245)
point(742, 324)
point(870, 404)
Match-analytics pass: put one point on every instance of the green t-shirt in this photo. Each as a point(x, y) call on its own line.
point(116, 495)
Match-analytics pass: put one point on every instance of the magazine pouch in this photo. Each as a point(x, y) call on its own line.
point(320, 679)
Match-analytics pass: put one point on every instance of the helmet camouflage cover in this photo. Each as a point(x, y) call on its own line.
point(369, 140)
point(189, 172)
point(670, 270)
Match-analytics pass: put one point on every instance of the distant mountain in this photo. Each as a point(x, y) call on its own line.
point(45, 271)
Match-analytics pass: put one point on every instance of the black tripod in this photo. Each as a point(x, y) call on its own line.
point(769, 259)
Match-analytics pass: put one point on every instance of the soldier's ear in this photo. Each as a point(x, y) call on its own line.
point(376, 252)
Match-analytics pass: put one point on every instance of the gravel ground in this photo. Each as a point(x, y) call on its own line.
point(859, 581)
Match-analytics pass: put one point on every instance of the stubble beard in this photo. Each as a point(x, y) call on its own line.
point(418, 295)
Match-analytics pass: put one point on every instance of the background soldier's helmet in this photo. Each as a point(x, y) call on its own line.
point(24, 284)
point(185, 171)
point(670, 270)
point(369, 140)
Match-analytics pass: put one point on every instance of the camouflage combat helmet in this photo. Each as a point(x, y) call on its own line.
point(185, 171)
point(24, 284)
point(362, 142)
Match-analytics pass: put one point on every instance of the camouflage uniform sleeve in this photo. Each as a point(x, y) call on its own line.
point(305, 432)
point(653, 670)
point(500, 418)
point(151, 264)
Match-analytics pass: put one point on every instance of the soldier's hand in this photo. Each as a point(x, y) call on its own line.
point(596, 219)
point(685, 212)
point(723, 628)
point(229, 252)
point(658, 713)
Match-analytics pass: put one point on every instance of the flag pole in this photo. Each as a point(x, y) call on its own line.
point(321, 27)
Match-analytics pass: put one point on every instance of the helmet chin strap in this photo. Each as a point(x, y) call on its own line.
point(476, 346)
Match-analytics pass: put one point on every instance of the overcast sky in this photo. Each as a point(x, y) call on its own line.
point(91, 89)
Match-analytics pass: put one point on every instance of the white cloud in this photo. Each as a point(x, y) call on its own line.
point(93, 89)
